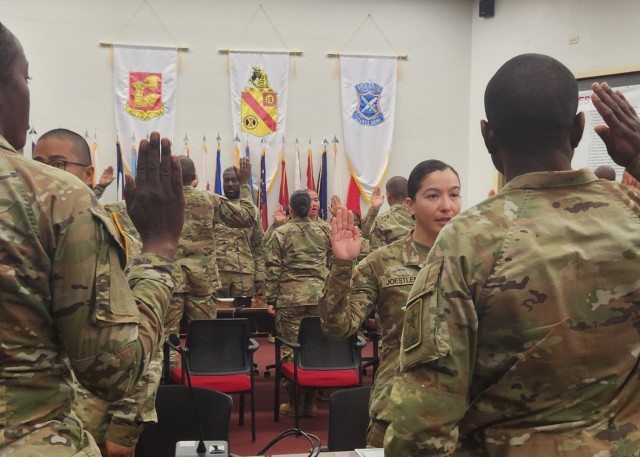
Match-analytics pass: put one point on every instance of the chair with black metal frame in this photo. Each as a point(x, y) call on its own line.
point(317, 362)
point(348, 419)
point(220, 353)
point(177, 420)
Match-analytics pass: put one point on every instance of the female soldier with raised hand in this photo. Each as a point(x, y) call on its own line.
point(383, 280)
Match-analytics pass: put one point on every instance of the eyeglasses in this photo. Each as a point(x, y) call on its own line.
point(62, 164)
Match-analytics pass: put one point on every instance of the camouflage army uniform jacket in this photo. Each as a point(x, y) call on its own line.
point(381, 283)
point(296, 259)
point(521, 332)
point(367, 222)
point(390, 226)
point(196, 253)
point(241, 251)
point(63, 292)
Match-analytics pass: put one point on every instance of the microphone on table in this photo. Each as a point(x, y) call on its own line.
point(190, 448)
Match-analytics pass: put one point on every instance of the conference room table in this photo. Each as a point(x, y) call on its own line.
point(323, 454)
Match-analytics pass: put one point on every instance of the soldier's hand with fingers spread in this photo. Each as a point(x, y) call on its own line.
point(106, 177)
point(244, 172)
point(155, 200)
point(280, 216)
point(621, 134)
point(376, 199)
point(335, 205)
point(345, 236)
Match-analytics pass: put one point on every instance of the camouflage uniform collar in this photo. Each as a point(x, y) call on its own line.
point(4, 144)
point(410, 253)
point(546, 179)
point(300, 220)
point(188, 189)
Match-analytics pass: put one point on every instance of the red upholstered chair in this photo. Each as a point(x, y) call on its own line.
point(220, 356)
point(317, 362)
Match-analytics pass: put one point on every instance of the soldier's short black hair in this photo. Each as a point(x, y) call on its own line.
point(229, 170)
point(188, 170)
point(79, 144)
point(300, 203)
point(531, 103)
point(397, 187)
point(8, 52)
point(421, 171)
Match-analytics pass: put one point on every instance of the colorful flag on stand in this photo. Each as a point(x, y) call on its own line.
point(121, 169)
point(322, 182)
point(218, 186)
point(310, 183)
point(263, 192)
point(297, 172)
point(247, 153)
point(134, 158)
point(283, 197)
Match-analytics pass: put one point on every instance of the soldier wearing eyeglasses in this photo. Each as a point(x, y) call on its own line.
point(114, 425)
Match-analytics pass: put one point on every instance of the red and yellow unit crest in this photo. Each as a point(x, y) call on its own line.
point(259, 106)
point(145, 95)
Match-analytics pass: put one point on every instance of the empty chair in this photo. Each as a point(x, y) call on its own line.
point(220, 356)
point(348, 419)
point(317, 362)
point(177, 420)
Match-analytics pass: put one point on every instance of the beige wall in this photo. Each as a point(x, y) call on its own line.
point(452, 54)
point(72, 82)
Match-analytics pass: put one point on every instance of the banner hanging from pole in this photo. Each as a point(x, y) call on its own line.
point(259, 84)
point(145, 83)
point(368, 92)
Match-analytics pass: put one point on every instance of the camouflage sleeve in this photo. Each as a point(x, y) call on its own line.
point(376, 236)
point(367, 222)
point(108, 332)
point(236, 216)
point(257, 248)
point(429, 394)
point(98, 191)
point(129, 415)
point(269, 233)
point(273, 267)
point(346, 303)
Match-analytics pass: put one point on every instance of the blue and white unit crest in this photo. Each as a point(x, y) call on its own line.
point(368, 111)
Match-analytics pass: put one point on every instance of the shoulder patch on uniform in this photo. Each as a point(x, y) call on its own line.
point(411, 334)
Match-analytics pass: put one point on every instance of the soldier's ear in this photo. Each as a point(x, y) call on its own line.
point(410, 204)
point(88, 175)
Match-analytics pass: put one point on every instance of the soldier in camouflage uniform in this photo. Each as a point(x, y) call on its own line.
point(196, 250)
point(521, 332)
point(121, 421)
point(239, 253)
point(394, 223)
point(296, 259)
point(382, 281)
point(66, 302)
point(366, 224)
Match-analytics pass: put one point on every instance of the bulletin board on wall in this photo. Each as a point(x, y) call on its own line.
point(591, 152)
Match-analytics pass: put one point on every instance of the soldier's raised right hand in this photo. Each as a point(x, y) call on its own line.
point(155, 200)
point(345, 236)
point(376, 199)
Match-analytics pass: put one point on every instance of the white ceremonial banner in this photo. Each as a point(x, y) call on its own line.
point(592, 152)
point(368, 90)
point(145, 84)
point(259, 84)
